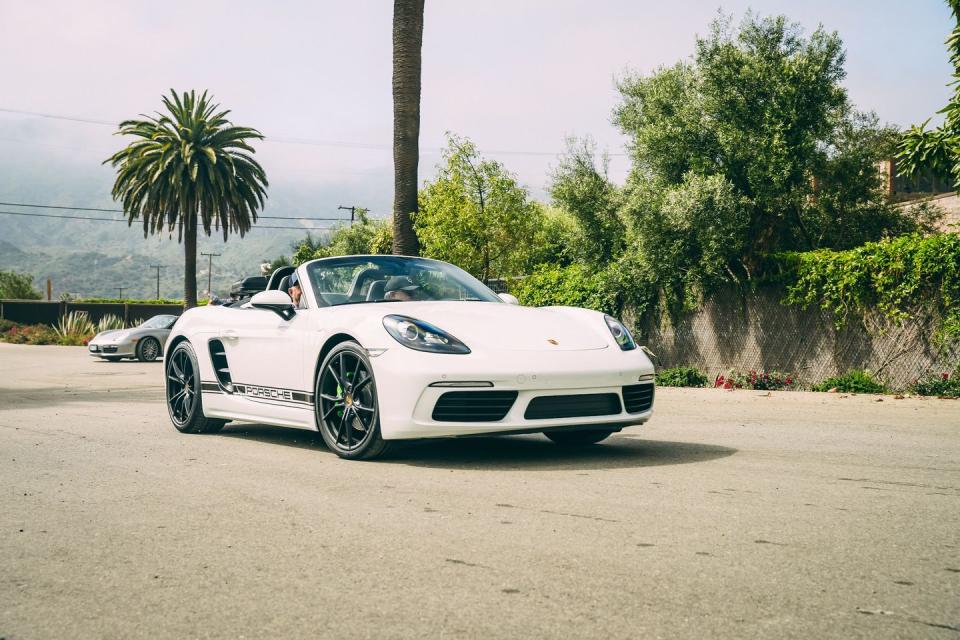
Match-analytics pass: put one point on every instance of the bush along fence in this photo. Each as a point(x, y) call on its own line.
point(51, 313)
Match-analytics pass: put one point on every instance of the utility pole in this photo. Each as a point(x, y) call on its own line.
point(352, 210)
point(210, 257)
point(120, 289)
point(157, 267)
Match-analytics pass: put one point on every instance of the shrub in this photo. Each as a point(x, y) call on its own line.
point(6, 325)
point(110, 322)
point(17, 286)
point(75, 325)
point(757, 380)
point(896, 277)
point(572, 286)
point(681, 377)
point(856, 381)
point(944, 385)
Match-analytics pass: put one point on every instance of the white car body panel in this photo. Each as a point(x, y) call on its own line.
point(273, 362)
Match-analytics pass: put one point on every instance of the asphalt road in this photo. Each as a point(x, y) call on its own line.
point(730, 514)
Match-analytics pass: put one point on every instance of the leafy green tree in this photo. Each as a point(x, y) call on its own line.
point(689, 236)
point(189, 167)
point(938, 149)
point(17, 286)
point(475, 215)
point(583, 189)
point(756, 106)
point(364, 236)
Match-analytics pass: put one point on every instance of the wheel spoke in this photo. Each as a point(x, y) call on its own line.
point(332, 408)
point(348, 415)
point(176, 367)
point(327, 396)
point(366, 380)
point(343, 371)
point(334, 374)
point(356, 372)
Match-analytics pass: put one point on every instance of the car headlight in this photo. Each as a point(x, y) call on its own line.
point(422, 336)
point(620, 334)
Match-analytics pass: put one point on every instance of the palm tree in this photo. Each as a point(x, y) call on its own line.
point(407, 41)
point(189, 165)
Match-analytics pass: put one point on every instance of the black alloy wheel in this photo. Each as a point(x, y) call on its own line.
point(148, 350)
point(184, 402)
point(346, 405)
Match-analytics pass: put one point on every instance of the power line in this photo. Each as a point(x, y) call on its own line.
point(308, 141)
point(63, 217)
point(51, 206)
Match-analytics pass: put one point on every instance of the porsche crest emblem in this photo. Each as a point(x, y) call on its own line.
point(553, 341)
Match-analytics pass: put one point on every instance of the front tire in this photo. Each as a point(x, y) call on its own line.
point(184, 402)
point(346, 406)
point(578, 438)
point(148, 350)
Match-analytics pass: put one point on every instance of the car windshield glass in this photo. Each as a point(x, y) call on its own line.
point(159, 322)
point(361, 279)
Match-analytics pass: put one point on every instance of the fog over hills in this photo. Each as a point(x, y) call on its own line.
point(95, 258)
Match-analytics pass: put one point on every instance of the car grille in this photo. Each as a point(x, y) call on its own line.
point(109, 348)
point(638, 397)
point(576, 406)
point(473, 406)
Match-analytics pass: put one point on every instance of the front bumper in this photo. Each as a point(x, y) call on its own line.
point(407, 399)
point(111, 350)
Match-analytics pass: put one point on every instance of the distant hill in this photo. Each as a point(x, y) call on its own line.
point(92, 258)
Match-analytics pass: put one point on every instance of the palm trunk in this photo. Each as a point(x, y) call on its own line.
point(407, 43)
point(190, 262)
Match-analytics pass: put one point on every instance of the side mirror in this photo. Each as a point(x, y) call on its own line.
point(277, 301)
point(509, 299)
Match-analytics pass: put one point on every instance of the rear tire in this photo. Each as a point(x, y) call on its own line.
point(184, 401)
point(346, 406)
point(578, 438)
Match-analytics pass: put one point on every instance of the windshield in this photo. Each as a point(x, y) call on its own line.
point(159, 322)
point(361, 279)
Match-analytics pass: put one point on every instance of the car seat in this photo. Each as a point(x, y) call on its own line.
point(376, 290)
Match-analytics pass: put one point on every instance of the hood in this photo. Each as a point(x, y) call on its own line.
point(113, 334)
point(501, 326)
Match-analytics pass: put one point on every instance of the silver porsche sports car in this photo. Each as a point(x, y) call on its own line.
point(145, 343)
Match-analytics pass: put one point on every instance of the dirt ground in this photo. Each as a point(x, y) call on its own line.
point(729, 515)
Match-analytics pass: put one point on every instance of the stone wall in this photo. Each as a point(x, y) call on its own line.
point(754, 331)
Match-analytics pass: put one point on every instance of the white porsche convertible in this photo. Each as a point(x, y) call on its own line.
point(383, 348)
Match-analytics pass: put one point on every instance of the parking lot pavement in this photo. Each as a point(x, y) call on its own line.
point(730, 514)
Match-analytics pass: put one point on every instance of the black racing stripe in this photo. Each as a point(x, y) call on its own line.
point(210, 387)
point(272, 394)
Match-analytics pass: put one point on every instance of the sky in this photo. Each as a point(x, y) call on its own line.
point(515, 76)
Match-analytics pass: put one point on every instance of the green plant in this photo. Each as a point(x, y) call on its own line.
point(681, 377)
point(757, 380)
point(17, 286)
point(42, 334)
point(944, 385)
point(855, 381)
point(110, 322)
point(897, 277)
point(576, 286)
point(6, 325)
point(189, 167)
point(75, 325)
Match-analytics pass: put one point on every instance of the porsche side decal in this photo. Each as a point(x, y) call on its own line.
point(259, 393)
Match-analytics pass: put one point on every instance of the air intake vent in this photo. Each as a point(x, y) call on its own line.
point(473, 406)
point(638, 397)
point(578, 406)
point(218, 356)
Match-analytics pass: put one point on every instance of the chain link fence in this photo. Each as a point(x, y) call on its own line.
point(755, 331)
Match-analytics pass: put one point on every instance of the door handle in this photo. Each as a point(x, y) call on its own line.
point(230, 334)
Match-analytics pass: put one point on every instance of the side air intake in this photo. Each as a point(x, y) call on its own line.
point(218, 356)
